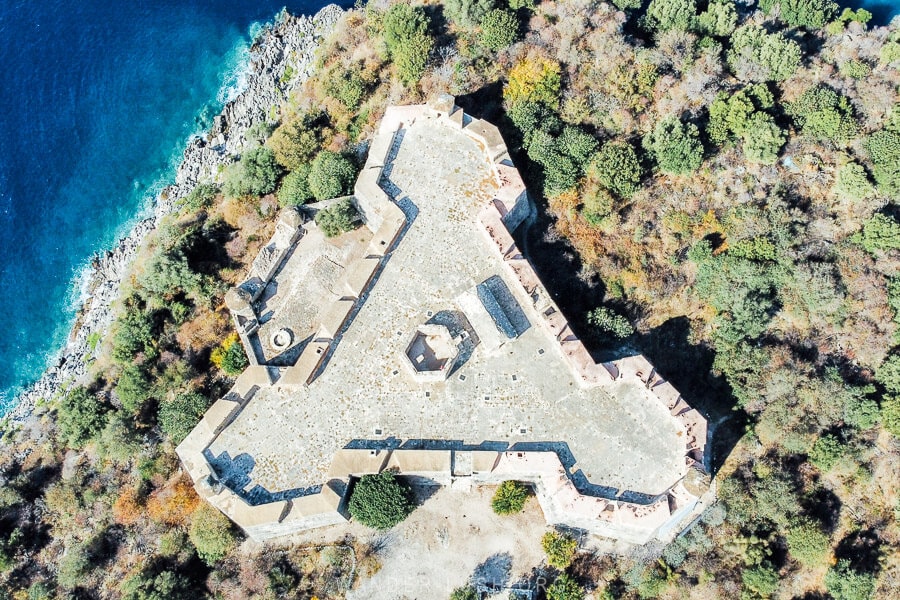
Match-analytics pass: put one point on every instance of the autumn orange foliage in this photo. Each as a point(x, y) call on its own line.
point(174, 503)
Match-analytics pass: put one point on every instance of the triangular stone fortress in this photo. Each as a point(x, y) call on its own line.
point(425, 342)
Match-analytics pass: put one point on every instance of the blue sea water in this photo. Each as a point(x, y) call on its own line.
point(97, 101)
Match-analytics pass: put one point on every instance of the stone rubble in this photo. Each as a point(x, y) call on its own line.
point(289, 43)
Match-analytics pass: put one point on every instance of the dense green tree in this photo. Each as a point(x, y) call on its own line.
point(762, 581)
point(464, 593)
point(294, 189)
point(407, 39)
point(762, 139)
point(74, 566)
point(808, 543)
point(134, 333)
point(509, 498)
point(843, 582)
point(888, 374)
point(256, 174)
point(852, 182)
point(811, 14)
point(211, 533)
point(133, 387)
point(178, 416)
point(675, 146)
point(565, 587)
point(719, 19)
point(890, 414)
point(826, 452)
point(499, 29)
point(880, 233)
point(200, 197)
point(234, 359)
point(760, 56)
point(80, 416)
point(627, 4)
point(617, 166)
point(331, 175)
point(380, 501)
point(296, 141)
point(597, 204)
point(467, 13)
point(823, 114)
point(559, 548)
point(667, 15)
point(166, 585)
point(884, 150)
point(337, 218)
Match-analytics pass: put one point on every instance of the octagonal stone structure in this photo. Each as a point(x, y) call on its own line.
point(431, 353)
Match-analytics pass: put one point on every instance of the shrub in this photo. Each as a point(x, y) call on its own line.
point(730, 114)
point(211, 533)
point(201, 196)
point(845, 583)
point(331, 175)
point(560, 548)
point(119, 441)
point(888, 374)
point(147, 585)
point(407, 39)
point(852, 182)
point(294, 189)
point(533, 79)
point(380, 501)
point(760, 56)
point(808, 543)
point(826, 452)
point(762, 139)
point(890, 414)
point(811, 14)
point(467, 13)
point(80, 417)
point(296, 141)
point(178, 417)
point(133, 387)
point(667, 15)
point(719, 19)
point(337, 218)
point(565, 587)
point(598, 204)
point(134, 333)
point(880, 233)
point(609, 324)
point(883, 148)
point(822, 114)
point(855, 69)
point(73, 566)
point(617, 166)
point(464, 593)
point(675, 146)
point(254, 175)
point(509, 498)
point(230, 356)
point(499, 29)
point(761, 580)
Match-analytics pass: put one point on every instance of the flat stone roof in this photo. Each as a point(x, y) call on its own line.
point(619, 435)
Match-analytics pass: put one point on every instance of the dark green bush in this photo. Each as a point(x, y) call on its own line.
point(762, 581)
point(234, 360)
point(808, 543)
point(201, 196)
point(80, 416)
point(617, 166)
point(843, 582)
point(667, 15)
point(133, 387)
point(256, 174)
point(467, 13)
point(296, 141)
point(499, 29)
point(880, 233)
point(757, 55)
point(762, 139)
point(407, 40)
point(852, 182)
point(211, 533)
point(166, 585)
point(134, 333)
point(565, 587)
point(464, 593)
point(826, 452)
point(824, 115)
point(337, 218)
point(331, 175)
point(719, 19)
point(884, 150)
point(294, 189)
point(811, 14)
point(177, 417)
point(509, 498)
point(380, 501)
point(675, 146)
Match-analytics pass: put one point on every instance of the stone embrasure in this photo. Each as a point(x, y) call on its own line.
point(426, 343)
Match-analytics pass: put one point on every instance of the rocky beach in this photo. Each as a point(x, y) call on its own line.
point(287, 46)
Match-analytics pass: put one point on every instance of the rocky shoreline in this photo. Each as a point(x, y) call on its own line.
point(290, 43)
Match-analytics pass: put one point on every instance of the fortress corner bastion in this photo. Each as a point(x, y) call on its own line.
point(425, 342)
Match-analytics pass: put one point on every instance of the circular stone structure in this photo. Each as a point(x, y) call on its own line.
point(238, 299)
point(290, 217)
point(281, 339)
